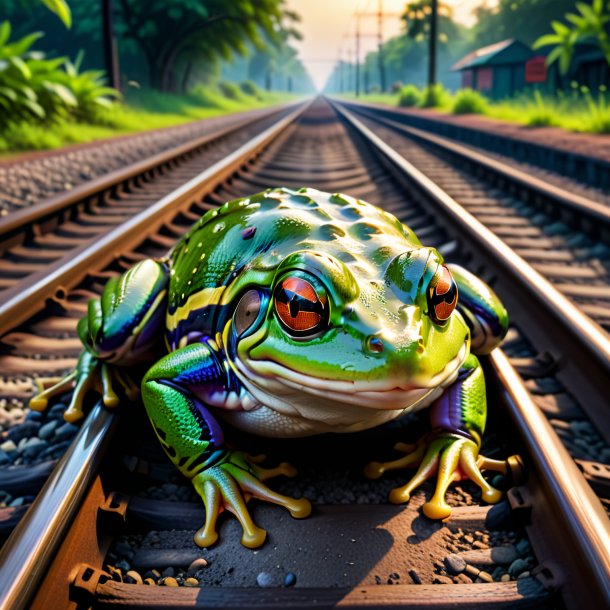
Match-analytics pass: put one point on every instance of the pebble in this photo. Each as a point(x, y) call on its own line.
point(8, 446)
point(46, 431)
point(168, 572)
point(134, 576)
point(33, 447)
point(4, 458)
point(65, 432)
point(455, 564)
point(170, 581)
point(505, 578)
point(17, 502)
point(264, 579)
point(517, 566)
point(484, 577)
point(123, 565)
point(196, 565)
point(442, 580)
point(290, 579)
point(116, 574)
point(502, 555)
point(191, 582)
point(149, 581)
point(24, 430)
point(523, 547)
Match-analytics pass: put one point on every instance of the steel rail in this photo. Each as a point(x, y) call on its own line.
point(589, 358)
point(581, 515)
point(547, 155)
point(596, 213)
point(26, 298)
point(32, 545)
point(24, 219)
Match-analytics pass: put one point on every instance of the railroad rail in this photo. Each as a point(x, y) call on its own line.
point(310, 147)
point(40, 234)
point(565, 159)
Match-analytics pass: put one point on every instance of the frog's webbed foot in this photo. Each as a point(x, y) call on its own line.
point(451, 457)
point(229, 485)
point(90, 374)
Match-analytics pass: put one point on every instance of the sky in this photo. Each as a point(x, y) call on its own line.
point(328, 29)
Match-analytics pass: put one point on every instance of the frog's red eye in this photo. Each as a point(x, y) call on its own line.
point(442, 295)
point(301, 308)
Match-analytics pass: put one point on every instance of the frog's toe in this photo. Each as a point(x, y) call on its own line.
point(210, 494)
point(414, 454)
point(262, 474)
point(470, 466)
point(299, 508)
point(47, 390)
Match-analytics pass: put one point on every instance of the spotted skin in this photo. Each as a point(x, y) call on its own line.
point(291, 313)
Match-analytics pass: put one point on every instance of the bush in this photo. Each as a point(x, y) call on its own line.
point(410, 96)
point(435, 96)
point(541, 114)
point(231, 91)
point(250, 88)
point(33, 88)
point(467, 101)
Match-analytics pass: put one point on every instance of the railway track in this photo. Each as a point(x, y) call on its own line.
point(41, 234)
point(67, 546)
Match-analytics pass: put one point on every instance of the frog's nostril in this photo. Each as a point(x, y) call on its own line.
point(374, 344)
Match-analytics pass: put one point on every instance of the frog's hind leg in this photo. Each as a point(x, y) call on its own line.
point(451, 450)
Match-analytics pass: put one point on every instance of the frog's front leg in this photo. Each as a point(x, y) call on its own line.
point(123, 328)
point(451, 450)
point(194, 442)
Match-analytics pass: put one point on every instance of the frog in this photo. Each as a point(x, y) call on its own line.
point(293, 313)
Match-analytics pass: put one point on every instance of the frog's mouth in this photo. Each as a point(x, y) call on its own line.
point(268, 379)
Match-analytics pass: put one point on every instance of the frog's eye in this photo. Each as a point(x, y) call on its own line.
point(300, 306)
point(442, 295)
point(247, 311)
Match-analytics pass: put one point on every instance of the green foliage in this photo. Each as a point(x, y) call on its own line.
point(523, 19)
point(38, 89)
point(590, 24)
point(230, 90)
point(144, 109)
point(467, 101)
point(61, 9)
point(409, 96)
point(435, 96)
point(174, 37)
point(250, 88)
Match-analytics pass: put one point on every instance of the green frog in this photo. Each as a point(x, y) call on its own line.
point(287, 314)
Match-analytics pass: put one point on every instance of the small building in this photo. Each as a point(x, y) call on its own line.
point(501, 69)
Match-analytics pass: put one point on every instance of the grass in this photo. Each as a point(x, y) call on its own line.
point(140, 111)
point(577, 110)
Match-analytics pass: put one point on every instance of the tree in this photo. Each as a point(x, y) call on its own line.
point(526, 20)
point(166, 30)
point(590, 25)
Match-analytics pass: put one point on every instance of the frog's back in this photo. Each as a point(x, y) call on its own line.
point(249, 237)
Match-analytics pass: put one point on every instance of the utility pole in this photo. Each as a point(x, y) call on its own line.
point(382, 82)
point(111, 56)
point(432, 43)
point(357, 54)
point(380, 15)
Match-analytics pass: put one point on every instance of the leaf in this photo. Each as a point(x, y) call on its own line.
point(35, 108)
point(62, 92)
point(61, 9)
point(21, 67)
point(553, 55)
point(5, 32)
point(547, 39)
point(560, 28)
point(22, 46)
point(8, 93)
